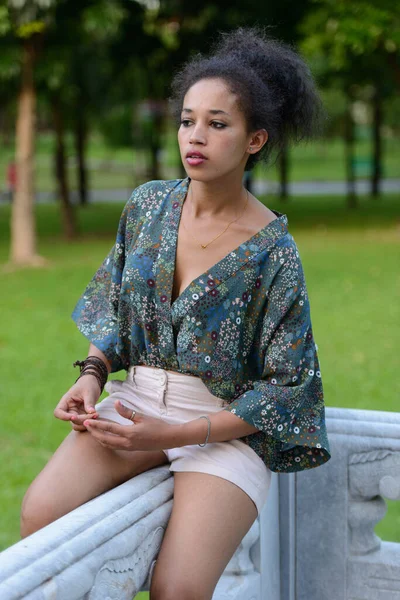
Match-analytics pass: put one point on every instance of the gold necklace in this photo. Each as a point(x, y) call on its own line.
point(204, 246)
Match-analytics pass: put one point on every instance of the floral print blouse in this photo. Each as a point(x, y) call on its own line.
point(243, 326)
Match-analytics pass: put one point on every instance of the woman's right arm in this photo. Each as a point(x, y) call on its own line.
point(96, 315)
point(79, 402)
point(93, 351)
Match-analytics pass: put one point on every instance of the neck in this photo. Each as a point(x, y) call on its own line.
point(210, 199)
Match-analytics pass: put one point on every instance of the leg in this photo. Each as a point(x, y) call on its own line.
point(78, 471)
point(209, 519)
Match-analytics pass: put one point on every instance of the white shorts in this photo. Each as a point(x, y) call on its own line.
point(178, 398)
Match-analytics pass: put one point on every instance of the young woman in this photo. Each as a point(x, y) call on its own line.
point(203, 301)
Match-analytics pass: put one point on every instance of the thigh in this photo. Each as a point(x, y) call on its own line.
point(81, 469)
point(209, 519)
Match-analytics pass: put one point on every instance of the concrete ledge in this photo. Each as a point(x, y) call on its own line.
point(314, 539)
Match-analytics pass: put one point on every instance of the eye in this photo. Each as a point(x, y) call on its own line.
point(214, 124)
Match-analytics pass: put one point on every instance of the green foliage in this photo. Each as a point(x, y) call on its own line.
point(5, 24)
point(342, 31)
point(27, 30)
point(30, 17)
point(116, 127)
point(101, 21)
point(334, 102)
point(9, 66)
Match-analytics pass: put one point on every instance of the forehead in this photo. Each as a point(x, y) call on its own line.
point(211, 94)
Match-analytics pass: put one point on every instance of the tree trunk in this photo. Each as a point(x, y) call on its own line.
point(154, 162)
point(377, 127)
point(23, 232)
point(6, 128)
point(392, 59)
point(349, 150)
point(67, 211)
point(80, 146)
point(283, 174)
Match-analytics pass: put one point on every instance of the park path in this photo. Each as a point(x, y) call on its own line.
point(259, 187)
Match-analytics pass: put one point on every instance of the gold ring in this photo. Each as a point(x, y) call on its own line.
point(132, 415)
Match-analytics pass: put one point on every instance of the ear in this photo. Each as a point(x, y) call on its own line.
point(257, 141)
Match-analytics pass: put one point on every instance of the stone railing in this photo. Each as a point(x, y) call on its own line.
point(330, 549)
point(313, 540)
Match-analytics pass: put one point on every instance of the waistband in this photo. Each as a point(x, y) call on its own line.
point(162, 376)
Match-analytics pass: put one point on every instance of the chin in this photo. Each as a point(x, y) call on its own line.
point(201, 177)
point(206, 177)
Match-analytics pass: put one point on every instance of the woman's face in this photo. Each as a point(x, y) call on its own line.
point(213, 137)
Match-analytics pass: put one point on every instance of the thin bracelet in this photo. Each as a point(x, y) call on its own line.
point(209, 429)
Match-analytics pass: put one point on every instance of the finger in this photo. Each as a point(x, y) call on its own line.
point(61, 410)
point(124, 411)
point(106, 427)
point(78, 427)
point(89, 407)
point(71, 415)
point(61, 413)
point(111, 441)
point(89, 401)
point(79, 419)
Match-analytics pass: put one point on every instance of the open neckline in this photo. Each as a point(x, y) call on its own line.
point(250, 241)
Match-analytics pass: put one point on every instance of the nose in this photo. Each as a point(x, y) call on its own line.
point(197, 135)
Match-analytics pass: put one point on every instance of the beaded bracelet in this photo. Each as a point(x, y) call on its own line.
point(95, 374)
point(209, 429)
point(93, 365)
point(94, 361)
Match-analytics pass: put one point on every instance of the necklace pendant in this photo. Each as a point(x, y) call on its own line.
point(204, 247)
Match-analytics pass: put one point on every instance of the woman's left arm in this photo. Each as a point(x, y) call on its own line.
point(286, 404)
point(225, 426)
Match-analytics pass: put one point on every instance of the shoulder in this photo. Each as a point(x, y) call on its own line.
point(259, 213)
point(146, 201)
point(291, 277)
point(151, 194)
point(281, 263)
point(287, 251)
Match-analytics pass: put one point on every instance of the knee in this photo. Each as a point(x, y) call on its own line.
point(36, 512)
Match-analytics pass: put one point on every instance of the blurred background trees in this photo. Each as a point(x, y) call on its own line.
point(355, 47)
point(77, 70)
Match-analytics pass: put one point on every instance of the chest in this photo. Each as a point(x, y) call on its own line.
point(192, 260)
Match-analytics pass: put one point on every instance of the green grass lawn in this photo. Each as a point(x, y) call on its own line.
point(351, 265)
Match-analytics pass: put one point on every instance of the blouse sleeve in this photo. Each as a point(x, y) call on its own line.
point(96, 312)
point(287, 402)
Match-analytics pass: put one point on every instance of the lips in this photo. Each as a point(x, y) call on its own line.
point(195, 159)
point(195, 155)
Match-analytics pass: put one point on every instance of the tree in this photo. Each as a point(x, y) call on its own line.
point(358, 43)
point(25, 21)
point(70, 79)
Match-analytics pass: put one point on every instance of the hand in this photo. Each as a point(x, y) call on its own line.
point(78, 403)
point(145, 433)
